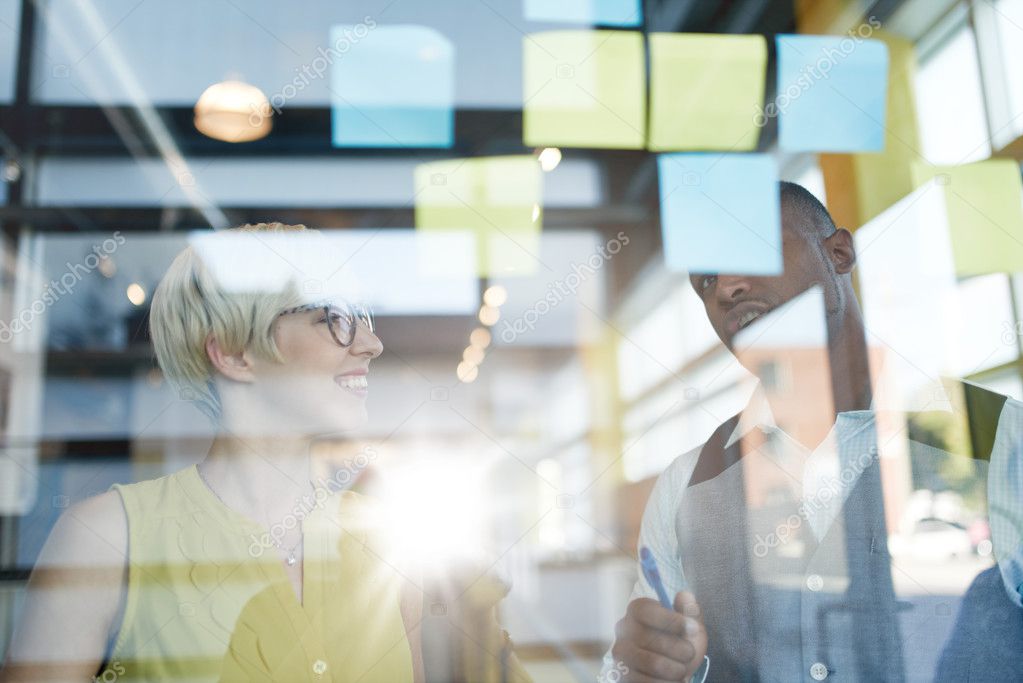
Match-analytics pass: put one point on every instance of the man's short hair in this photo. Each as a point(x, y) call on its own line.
point(818, 221)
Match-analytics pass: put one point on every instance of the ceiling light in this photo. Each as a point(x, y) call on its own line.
point(480, 337)
point(549, 158)
point(495, 295)
point(136, 294)
point(233, 111)
point(489, 315)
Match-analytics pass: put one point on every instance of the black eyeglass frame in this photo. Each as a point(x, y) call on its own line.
point(351, 314)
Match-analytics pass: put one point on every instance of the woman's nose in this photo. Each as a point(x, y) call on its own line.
point(366, 342)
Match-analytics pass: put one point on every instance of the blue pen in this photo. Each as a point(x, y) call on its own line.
point(653, 577)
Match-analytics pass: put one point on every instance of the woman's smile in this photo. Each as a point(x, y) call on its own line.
point(355, 381)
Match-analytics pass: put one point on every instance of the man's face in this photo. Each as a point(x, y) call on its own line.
point(734, 301)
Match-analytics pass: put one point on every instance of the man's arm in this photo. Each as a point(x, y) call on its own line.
point(1005, 498)
point(652, 640)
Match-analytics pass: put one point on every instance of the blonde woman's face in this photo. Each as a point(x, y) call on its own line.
point(321, 386)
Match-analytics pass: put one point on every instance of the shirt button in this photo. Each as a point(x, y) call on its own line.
point(815, 582)
point(818, 672)
point(319, 667)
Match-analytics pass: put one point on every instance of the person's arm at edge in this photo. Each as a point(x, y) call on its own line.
point(74, 595)
point(1005, 498)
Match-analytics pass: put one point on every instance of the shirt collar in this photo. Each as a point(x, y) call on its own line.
point(757, 415)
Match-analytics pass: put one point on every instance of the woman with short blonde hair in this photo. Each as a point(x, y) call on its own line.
point(223, 570)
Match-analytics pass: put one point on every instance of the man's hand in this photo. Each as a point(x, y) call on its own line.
point(658, 644)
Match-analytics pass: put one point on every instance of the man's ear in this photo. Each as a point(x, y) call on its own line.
point(841, 250)
point(237, 367)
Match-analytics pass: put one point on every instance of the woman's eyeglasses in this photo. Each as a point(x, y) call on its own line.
point(342, 319)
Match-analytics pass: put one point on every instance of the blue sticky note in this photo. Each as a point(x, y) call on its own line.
point(391, 86)
point(597, 12)
point(832, 94)
point(720, 213)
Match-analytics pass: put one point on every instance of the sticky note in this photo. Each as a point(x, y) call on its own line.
point(831, 94)
point(720, 213)
point(391, 86)
point(495, 199)
point(705, 91)
point(984, 204)
point(603, 12)
point(584, 89)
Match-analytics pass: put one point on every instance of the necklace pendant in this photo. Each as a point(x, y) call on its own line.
point(291, 560)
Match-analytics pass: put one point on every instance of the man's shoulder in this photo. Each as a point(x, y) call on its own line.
point(675, 477)
point(1013, 405)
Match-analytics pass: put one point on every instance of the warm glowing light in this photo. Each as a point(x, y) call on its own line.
point(536, 212)
point(495, 295)
point(136, 294)
point(473, 354)
point(480, 337)
point(467, 372)
point(107, 266)
point(549, 158)
point(233, 111)
point(434, 511)
point(489, 315)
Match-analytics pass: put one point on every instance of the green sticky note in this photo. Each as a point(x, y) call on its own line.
point(495, 200)
point(706, 91)
point(584, 88)
point(985, 213)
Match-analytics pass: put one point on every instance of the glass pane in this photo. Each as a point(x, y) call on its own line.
point(950, 108)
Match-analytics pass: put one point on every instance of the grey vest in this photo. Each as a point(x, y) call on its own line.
point(804, 610)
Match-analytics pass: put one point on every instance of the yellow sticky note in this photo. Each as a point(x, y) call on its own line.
point(584, 89)
point(496, 200)
point(985, 213)
point(706, 91)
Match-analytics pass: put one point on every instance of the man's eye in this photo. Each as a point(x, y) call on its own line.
point(706, 281)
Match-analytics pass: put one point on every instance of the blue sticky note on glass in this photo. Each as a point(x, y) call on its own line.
point(720, 213)
point(597, 12)
point(832, 94)
point(391, 86)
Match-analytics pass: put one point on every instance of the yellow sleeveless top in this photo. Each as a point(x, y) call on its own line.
point(207, 601)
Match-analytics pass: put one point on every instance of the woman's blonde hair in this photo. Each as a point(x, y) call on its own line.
point(191, 304)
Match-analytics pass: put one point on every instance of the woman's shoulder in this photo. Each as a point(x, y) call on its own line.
point(105, 518)
point(166, 495)
point(92, 535)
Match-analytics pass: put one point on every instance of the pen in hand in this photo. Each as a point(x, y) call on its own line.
point(653, 577)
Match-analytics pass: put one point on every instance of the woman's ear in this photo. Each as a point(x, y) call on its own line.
point(842, 251)
point(237, 366)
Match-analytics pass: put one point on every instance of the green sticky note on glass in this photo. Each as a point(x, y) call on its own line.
point(495, 200)
point(706, 91)
point(584, 89)
point(985, 213)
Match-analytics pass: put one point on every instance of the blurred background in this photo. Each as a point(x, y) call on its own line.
point(544, 398)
